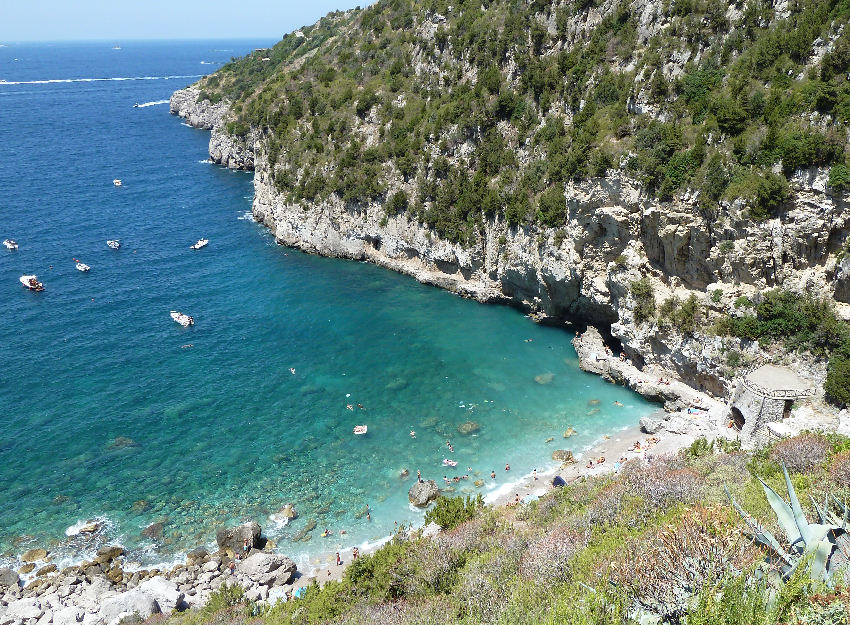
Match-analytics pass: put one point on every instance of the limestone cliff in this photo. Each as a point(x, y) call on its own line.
point(617, 227)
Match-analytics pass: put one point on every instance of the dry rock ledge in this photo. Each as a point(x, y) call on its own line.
point(101, 592)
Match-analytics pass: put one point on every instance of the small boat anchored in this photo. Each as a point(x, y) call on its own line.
point(199, 244)
point(183, 320)
point(113, 244)
point(117, 182)
point(360, 429)
point(81, 266)
point(31, 283)
point(10, 244)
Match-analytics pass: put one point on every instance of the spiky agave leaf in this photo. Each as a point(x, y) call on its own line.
point(784, 514)
point(762, 536)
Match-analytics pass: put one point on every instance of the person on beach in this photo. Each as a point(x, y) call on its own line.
point(534, 474)
point(232, 567)
point(418, 476)
point(589, 464)
point(354, 553)
point(493, 474)
point(245, 547)
point(338, 560)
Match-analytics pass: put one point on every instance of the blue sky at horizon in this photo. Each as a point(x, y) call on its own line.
point(117, 20)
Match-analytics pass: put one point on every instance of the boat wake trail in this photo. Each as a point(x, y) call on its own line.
point(141, 106)
point(67, 80)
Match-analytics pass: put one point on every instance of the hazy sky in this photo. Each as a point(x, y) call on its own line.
point(119, 20)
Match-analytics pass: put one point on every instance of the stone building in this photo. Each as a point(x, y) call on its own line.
point(761, 404)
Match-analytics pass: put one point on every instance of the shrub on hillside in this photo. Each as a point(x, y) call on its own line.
point(662, 572)
point(664, 483)
point(546, 560)
point(404, 612)
point(644, 299)
point(770, 193)
point(449, 512)
point(839, 469)
point(802, 453)
point(837, 383)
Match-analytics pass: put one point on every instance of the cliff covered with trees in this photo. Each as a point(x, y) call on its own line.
point(659, 169)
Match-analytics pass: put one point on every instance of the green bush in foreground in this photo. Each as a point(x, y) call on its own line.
point(449, 512)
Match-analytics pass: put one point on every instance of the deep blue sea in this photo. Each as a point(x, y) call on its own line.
point(110, 410)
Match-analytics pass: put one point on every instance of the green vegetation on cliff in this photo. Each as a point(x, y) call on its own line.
point(473, 109)
point(658, 538)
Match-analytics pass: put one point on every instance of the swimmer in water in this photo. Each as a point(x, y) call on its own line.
point(412, 434)
point(292, 370)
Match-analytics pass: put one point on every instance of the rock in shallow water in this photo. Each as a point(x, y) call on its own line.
point(34, 555)
point(233, 538)
point(423, 493)
point(469, 427)
point(563, 455)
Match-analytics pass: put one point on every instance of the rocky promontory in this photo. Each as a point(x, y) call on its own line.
point(105, 590)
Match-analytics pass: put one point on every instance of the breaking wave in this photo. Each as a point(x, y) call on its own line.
point(67, 80)
point(154, 103)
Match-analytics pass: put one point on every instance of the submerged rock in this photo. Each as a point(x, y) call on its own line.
point(468, 427)
point(544, 378)
point(569, 432)
point(122, 442)
point(563, 455)
point(423, 493)
point(153, 531)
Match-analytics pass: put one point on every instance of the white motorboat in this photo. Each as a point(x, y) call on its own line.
point(31, 282)
point(199, 244)
point(117, 182)
point(10, 244)
point(113, 243)
point(81, 266)
point(183, 320)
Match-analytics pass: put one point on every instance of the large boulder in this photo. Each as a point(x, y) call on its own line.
point(164, 592)
point(8, 577)
point(563, 455)
point(34, 555)
point(423, 493)
point(113, 609)
point(68, 616)
point(650, 425)
point(108, 553)
point(196, 556)
point(24, 609)
point(233, 538)
point(271, 569)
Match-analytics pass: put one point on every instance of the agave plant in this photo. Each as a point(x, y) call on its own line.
point(826, 543)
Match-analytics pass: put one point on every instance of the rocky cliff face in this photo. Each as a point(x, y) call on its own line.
point(615, 234)
point(225, 149)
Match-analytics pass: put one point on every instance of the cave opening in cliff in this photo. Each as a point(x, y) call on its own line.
point(737, 420)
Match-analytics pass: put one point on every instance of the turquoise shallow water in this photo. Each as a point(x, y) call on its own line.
point(215, 428)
